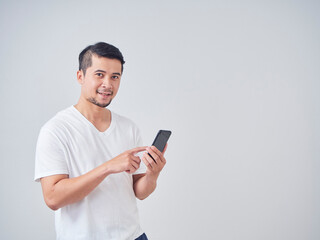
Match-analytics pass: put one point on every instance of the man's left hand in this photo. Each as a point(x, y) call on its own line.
point(155, 163)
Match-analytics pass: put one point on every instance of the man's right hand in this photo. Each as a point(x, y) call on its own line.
point(126, 161)
point(60, 190)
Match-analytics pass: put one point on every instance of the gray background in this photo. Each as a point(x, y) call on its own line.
point(236, 81)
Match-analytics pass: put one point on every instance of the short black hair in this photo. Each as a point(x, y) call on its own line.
point(101, 49)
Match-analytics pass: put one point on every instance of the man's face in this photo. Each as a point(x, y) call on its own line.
point(101, 82)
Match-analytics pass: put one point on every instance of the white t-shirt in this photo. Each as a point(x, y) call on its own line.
point(70, 144)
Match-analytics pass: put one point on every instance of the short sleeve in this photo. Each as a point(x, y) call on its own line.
point(139, 143)
point(50, 156)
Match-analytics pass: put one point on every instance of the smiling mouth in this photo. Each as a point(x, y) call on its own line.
point(105, 94)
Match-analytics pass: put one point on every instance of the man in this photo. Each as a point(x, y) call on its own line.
point(86, 158)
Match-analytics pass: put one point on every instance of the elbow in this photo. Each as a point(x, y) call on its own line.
point(53, 207)
point(141, 197)
point(143, 194)
point(52, 204)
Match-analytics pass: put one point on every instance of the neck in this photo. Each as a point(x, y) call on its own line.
point(92, 112)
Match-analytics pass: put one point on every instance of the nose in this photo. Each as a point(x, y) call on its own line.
point(107, 83)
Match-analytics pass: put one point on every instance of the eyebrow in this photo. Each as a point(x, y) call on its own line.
point(99, 70)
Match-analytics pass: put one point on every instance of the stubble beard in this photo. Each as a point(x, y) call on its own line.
point(95, 102)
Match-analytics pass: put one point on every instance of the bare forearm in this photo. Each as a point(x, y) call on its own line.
point(144, 186)
point(70, 190)
point(60, 190)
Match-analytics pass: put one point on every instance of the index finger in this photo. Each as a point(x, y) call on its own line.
point(156, 150)
point(137, 149)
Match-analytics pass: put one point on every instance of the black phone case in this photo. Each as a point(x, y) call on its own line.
point(161, 139)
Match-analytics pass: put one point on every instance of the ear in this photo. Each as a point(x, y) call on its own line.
point(80, 77)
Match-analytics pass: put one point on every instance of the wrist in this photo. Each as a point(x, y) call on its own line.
point(152, 177)
point(106, 169)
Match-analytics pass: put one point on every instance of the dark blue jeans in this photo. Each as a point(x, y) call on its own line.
point(142, 237)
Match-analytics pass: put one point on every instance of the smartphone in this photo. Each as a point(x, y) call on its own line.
point(161, 139)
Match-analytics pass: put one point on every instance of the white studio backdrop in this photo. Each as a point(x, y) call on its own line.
point(237, 82)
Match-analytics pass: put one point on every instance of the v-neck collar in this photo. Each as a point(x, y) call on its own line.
point(84, 119)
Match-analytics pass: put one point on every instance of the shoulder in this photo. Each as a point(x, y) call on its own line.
point(60, 121)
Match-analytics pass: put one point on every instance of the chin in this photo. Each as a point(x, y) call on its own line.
point(95, 102)
point(103, 105)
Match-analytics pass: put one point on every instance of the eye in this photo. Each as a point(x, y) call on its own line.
point(99, 74)
point(115, 77)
